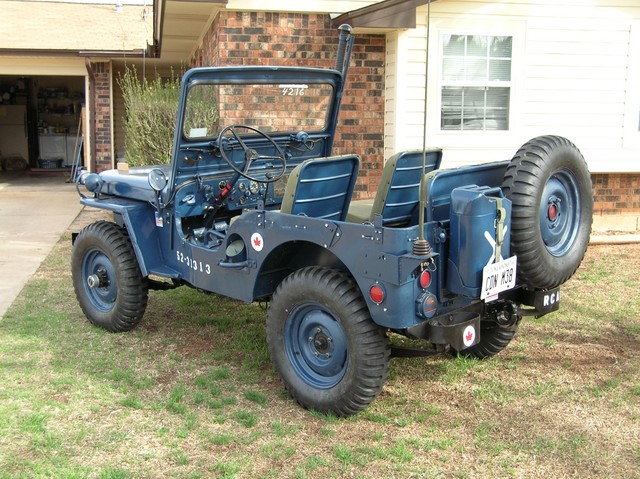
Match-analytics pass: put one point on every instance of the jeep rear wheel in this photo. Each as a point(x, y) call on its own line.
point(106, 277)
point(329, 353)
point(550, 188)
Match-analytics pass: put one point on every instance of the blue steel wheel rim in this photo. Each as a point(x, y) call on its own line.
point(103, 297)
point(316, 346)
point(560, 212)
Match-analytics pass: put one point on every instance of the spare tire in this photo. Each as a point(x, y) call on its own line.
point(549, 185)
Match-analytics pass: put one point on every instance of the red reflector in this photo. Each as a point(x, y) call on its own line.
point(376, 293)
point(425, 279)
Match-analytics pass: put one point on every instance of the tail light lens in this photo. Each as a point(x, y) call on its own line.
point(425, 279)
point(376, 293)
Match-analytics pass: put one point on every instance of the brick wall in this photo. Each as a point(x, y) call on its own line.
point(616, 201)
point(291, 39)
point(102, 115)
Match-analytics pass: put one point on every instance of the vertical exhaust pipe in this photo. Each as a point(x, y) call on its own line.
point(345, 44)
point(343, 55)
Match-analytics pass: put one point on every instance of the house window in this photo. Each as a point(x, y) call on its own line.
point(476, 82)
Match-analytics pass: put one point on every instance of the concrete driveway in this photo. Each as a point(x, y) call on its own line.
point(35, 209)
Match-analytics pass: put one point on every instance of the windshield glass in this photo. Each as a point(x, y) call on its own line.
point(272, 108)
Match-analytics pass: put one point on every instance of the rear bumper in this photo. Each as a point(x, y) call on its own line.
point(460, 330)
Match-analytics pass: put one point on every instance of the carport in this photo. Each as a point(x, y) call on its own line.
point(56, 78)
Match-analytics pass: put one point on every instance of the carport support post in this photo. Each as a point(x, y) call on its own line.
point(92, 109)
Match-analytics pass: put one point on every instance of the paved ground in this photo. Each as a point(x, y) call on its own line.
point(35, 209)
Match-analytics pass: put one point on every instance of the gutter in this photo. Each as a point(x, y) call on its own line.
point(75, 53)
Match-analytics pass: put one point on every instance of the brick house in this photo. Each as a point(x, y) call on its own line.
point(499, 74)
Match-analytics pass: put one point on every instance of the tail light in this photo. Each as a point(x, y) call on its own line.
point(376, 293)
point(424, 279)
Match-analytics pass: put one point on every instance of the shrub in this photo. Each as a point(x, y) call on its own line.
point(150, 117)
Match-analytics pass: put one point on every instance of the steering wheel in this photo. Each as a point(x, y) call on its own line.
point(251, 155)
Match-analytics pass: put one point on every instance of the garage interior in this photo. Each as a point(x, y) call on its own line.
point(40, 122)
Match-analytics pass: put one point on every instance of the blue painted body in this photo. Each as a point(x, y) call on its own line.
point(242, 246)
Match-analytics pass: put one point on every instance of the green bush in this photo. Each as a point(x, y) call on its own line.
point(150, 117)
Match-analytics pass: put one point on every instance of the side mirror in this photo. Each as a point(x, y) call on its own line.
point(157, 180)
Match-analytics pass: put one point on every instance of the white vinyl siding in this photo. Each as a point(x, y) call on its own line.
point(575, 73)
point(404, 90)
point(576, 76)
point(632, 111)
point(391, 93)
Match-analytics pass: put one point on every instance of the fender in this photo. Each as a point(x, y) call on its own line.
point(139, 221)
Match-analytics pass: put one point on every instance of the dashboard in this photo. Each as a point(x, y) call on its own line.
point(195, 197)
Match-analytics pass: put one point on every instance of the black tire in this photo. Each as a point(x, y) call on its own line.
point(493, 339)
point(550, 188)
point(330, 354)
point(106, 277)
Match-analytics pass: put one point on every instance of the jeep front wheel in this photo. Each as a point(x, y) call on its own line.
point(106, 277)
point(329, 353)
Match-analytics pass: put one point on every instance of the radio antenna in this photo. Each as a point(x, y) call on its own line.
point(421, 246)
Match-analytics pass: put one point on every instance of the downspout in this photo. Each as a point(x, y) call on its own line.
point(92, 109)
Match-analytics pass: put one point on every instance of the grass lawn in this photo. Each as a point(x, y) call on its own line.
point(191, 393)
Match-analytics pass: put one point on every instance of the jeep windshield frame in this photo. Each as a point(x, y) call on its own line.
point(195, 139)
point(273, 108)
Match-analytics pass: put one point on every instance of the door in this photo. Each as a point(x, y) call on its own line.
point(13, 131)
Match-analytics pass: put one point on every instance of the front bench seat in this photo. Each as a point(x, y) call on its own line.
point(398, 195)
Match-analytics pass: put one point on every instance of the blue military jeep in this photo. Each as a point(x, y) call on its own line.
point(254, 206)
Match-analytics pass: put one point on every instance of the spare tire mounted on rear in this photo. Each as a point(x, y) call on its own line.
point(550, 187)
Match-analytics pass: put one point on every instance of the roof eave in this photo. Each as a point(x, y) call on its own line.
point(386, 15)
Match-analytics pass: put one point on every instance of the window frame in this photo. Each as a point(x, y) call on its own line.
point(480, 138)
point(480, 85)
point(468, 87)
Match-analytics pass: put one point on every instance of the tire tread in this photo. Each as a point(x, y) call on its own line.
point(132, 287)
point(371, 366)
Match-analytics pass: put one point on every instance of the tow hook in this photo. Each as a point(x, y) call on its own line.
point(508, 317)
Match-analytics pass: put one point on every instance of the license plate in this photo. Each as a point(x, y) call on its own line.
point(498, 277)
